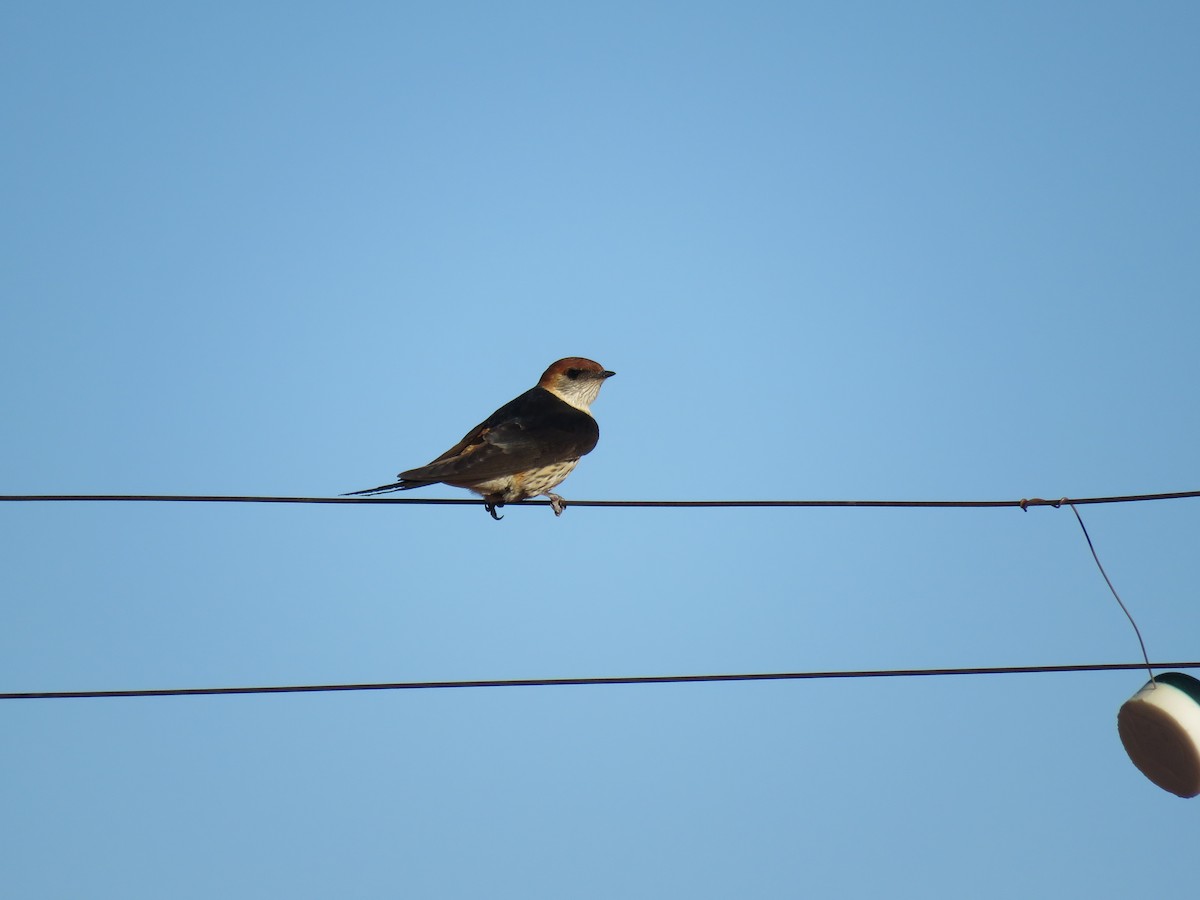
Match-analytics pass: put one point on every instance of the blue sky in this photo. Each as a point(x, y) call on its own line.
point(861, 250)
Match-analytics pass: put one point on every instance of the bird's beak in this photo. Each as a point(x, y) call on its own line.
point(607, 374)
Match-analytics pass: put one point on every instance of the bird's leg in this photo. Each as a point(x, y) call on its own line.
point(557, 503)
point(491, 508)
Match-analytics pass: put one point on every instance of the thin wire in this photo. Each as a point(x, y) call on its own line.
point(642, 504)
point(1108, 581)
point(1023, 504)
point(576, 682)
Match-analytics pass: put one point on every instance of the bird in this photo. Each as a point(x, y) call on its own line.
point(526, 447)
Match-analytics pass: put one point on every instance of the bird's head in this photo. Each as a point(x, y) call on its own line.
point(575, 380)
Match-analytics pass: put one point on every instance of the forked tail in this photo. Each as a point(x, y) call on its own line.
point(382, 489)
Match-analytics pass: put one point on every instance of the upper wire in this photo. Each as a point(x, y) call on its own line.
point(1024, 504)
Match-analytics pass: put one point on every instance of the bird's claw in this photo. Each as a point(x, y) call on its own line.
point(557, 503)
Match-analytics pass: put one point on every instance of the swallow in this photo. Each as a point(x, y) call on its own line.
point(526, 447)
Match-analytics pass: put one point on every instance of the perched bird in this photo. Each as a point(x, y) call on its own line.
point(526, 447)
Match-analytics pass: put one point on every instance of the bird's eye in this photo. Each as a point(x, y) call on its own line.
point(573, 374)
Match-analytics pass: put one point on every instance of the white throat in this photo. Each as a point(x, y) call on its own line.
point(579, 394)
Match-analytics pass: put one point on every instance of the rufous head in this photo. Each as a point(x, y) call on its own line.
point(575, 380)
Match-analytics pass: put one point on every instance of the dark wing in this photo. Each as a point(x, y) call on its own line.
point(536, 429)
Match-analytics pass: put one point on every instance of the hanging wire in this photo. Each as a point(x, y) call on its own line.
point(1108, 581)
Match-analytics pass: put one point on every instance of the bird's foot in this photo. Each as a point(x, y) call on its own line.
point(557, 503)
point(491, 508)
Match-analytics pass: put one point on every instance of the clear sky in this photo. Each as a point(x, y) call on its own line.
point(839, 250)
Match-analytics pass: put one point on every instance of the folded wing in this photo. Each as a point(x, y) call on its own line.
point(536, 429)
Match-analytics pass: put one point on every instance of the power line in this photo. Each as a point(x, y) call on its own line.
point(1023, 504)
point(637, 504)
point(578, 682)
